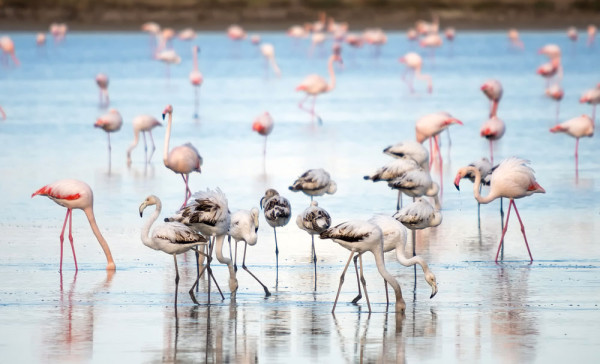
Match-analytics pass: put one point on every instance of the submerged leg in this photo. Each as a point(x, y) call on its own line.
point(267, 293)
point(342, 281)
point(523, 231)
point(314, 258)
point(504, 230)
point(176, 277)
point(62, 238)
point(364, 282)
point(153, 146)
point(357, 298)
point(276, 259)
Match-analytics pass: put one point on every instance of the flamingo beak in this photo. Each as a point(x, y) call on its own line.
point(163, 116)
point(261, 203)
point(457, 181)
point(434, 291)
point(142, 207)
point(456, 121)
point(484, 87)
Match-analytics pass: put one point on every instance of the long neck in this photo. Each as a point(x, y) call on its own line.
point(136, 137)
point(331, 84)
point(378, 253)
point(90, 215)
point(146, 239)
point(275, 66)
point(494, 108)
point(400, 249)
point(476, 184)
point(232, 276)
point(167, 137)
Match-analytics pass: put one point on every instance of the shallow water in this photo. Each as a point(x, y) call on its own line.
point(512, 312)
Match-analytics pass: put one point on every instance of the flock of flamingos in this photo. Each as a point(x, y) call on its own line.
point(204, 220)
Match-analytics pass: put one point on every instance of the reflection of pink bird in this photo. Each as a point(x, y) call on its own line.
point(196, 78)
point(493, 129)
point(493, 90)
point(582, 126)
point(512, 179)
point(591, 97)
point(263, 125)
point(556, 93)
point(143, 124)
point(315, 85)
point(429, 126)
point(102, 81)
point(414, 62)
point(8, 47)
point(74, 194)
point(183, 159)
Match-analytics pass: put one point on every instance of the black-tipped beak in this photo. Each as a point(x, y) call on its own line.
point(433, 295)
point(163, 116)
point(457, 186)
point(255, 230)
point(261, 203)
point(141, 213)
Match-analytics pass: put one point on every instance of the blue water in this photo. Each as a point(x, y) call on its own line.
point(482, 313)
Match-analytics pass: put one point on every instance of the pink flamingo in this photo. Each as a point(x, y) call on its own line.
point(549, 70)
point(431, 41)
point(493, 90)
point(512, 179)
point(235, 32)
point(263, 125)
point(591, 32)
point(556, 93)
point(40, 39)
point(414, 62)
point(493, 129)
point(515, 40)
point(183, 159)
point(429, 126)
point(581, 126)
point(572, 34)
point(8, 47)
point(143, 124)
point(591, 97)
point(315, 85)
point(102, 81)
point(196, 78)
point(186, 34)
point(2, 113)
point(110, 123)
point(74, 194)
point(268, 51)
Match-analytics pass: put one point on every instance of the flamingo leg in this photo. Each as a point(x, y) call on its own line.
point(176, 277)
point(491, 151)
point(109, 150)
point(267, 293)
point(357, 298)
point(153, 146)
point(522, 230)
point(235, 256)
point(196, 101)
point(62, 238)
point(71, 237)
point(342, 281)
point(437, 146)
point(387, 296)
point(2, 113)
point(576, 156)
point(364, 282)
point(276, 259)
point(145, 146)
point(414, 246)
point(430, 153)
point(504, 230)
point(314, 258)
point(188, 193)
point(211, 275)
point(501, 227)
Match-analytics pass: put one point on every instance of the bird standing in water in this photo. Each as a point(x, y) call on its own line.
point(314, 220)
point(278, 211)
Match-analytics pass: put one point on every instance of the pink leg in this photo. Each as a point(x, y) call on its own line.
point(187, 189)
point(523, 231)
point(576, 157)
point(71, 237)
point(62, 238)
point(491, 152)
point(2, 113)
point(437, 146)
point(505, 227)
point(430, 153)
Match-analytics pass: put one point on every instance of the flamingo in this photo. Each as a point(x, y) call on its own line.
point(548, 70)
point(414, 62)
point(170, 237)
point(412, 35)
point(58, 31)
point(493, 90)
point(492, 130)
point(2, 113)
point(315, 85)
point(75, 194)
point(196, 78)
point(393, 170)
point(110, 123)
point(450, 33)
point(591, 97)
point(314, 182)
point(416, 183)
point(409, 149)
point(143, 124)
point(317, 39)
point(208, 213)
point(556, 93)
point(360, 236)
point(581, 126)
point(153, 29)
point(432, 41)
point(169, 57)
point(375, 37)
point(429, 126)
point(40, 39)
point(235, 32)
point(268, 51)
point(572, 34)
point(591, 32)
point(512, 179)
point(102, 82)
point(263, 125)
point(515, 40)
point(297, 31)
point(485, 170)
point(8, 47)
point(243, 227)
point(183, 159)
point(187, 34)
point(278, 211)
point(314, 220)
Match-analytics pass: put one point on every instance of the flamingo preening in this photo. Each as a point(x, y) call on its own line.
point(314, 182)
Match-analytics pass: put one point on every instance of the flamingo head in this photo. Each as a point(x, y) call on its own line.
point(584, 98)
point(149, 201)
point(168, 110)
point(460, 175)
point(557, 129)
point(430, 278)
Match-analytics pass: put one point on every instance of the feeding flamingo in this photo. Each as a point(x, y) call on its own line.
point(492, 130)
point(102, 82)
point(581, 126)
point(183, 159)
point(74, 194)
point(243, 227)
point(414, 62)
point(493, 90)
point(196, 78)
point(314, 182)
point(8, 47)
point(110, 123)
point(314, 85)
point(591, 97)
point(170, 237)
point(268, 51)
point(278, 211)
point(143, 124)
point(512, 179)
point(359, 237)
point(314, 220)
point(392, 170)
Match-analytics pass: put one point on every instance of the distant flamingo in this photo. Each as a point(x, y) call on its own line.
point(58, 31)
point(169, 57)
point(493, 90)
point(153, 29)
point(314, 220)
point(278, 211)
point(268, 51)
point(183, 159)
point(391, 171)
point(8, 47)
point(196, 78)
point(317, 40)
point(187, 34)
point(235, 32)
point(360, 237)
point(74, 194)
point(315, 85)
point(412, 35)
point(110, 123)
point(243, 227)
point(572, 35)
point(591, 32)
point(102, 82)
point(429, 126)
point(515, 40)
point(432, 41)
point(492, 130)
point(556, 93)
point(170, 237)
point(554, 68)
point(450, 33)
point(166, 36)
point(263, 125)
point(314, 182)
point(375, 37)
point(591, 97)
point(40, 39)
point(512, 179)
point(581, 126)
point(414, 62)
point(143, 124)
point(297, 31)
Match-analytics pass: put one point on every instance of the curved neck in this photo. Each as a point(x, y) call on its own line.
point(146, 239)
point(400, 249)
point(476, 187)
point(233, 285)
point(136, 138)
point(89, 213)
point(167, 137)
point(378, 253)
point(331, 84)
point(494, 109)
